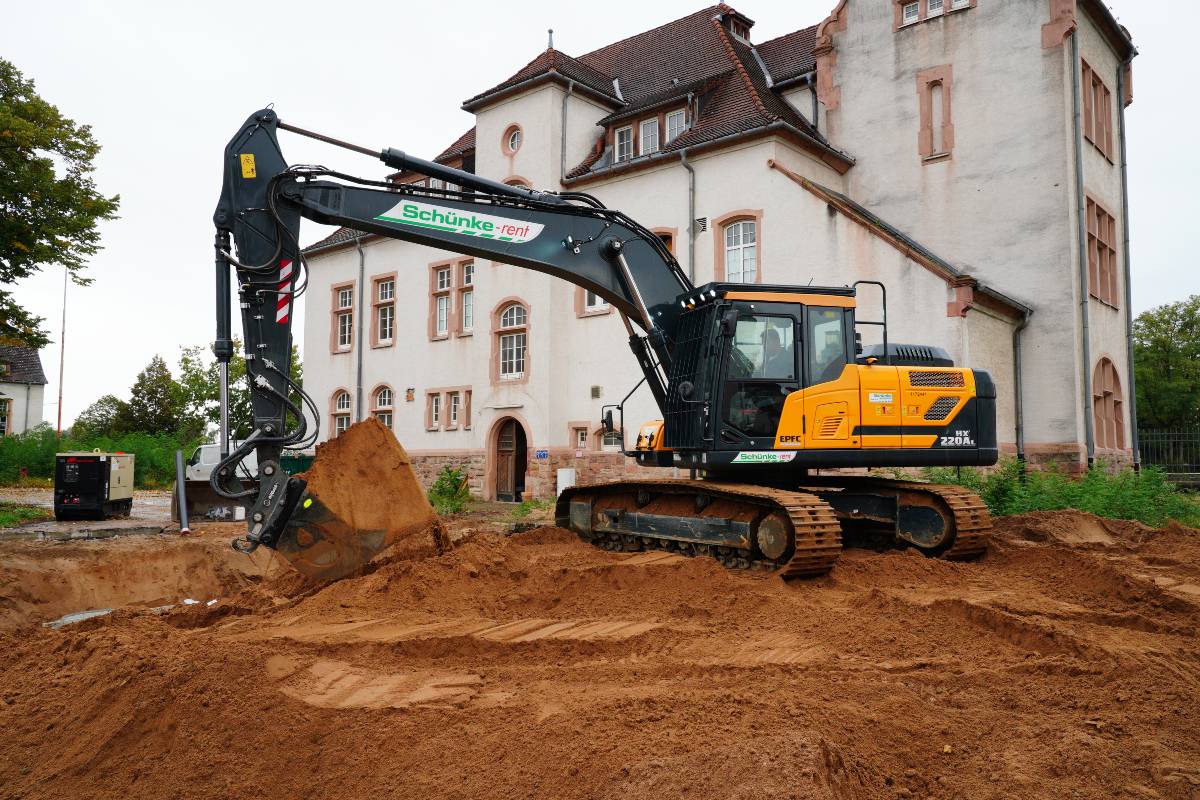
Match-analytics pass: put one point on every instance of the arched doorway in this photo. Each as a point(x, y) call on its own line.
point(511, 460)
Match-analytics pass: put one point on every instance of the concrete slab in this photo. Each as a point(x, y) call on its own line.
point(151, 515)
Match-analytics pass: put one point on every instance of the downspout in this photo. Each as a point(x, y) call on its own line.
point(691, 226)
point(1019, 403)
point(362, 295)
point(28, 390)
point(1081, 214)
point(562, 147)
point(816, 102)
point(1133, 425)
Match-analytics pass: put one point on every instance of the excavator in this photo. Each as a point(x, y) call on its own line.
point(763, 389)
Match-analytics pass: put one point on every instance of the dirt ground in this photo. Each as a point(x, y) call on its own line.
point(1063, 664)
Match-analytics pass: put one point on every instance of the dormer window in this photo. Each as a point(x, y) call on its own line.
point(739, 29)
point(648, 139)
point(676, 124)
point(912, 12)
point(623, 144)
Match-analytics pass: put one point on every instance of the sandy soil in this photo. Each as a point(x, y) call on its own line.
point(1064, 664)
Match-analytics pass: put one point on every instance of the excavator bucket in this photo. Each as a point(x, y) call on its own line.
point(361, 496)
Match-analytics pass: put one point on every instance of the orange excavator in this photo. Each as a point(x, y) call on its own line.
point(759, 386)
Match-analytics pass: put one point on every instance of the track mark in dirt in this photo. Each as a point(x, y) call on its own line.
point(337, 684)
point(400, 629)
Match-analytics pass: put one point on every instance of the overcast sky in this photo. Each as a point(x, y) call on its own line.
point(164, 86)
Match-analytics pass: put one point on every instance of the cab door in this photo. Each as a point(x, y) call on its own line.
point(827, 406)
point(761, 373)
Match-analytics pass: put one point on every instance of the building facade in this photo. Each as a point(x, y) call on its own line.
point(966, 153)
point(22, 389)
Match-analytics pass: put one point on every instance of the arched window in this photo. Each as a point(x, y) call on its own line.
point(381, 405)
point(741, 251)
point(341, 412)
point(512, 341)
point(1108, 406)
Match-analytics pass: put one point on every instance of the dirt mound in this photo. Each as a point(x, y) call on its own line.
point(536, 665)
point(1071, 527)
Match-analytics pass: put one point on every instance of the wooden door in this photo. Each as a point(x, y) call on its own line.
point(506, 462)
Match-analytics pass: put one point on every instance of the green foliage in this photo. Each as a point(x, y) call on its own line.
point(156, 403)
point(199, 382)
point(15, 514)
point(449, 493)
point(1167, 365)
point(45, 218)
point(526, 508)
point(1146, 496)
point(154, 463)
point(102, 418)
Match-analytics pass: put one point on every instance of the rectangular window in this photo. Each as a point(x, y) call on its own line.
point(386, 323)
point(385, 417)
point(512, 355)
point(912, 12)
point(581, 438)
point(343, 318)
point(345, 330)
point(649, 137)
point(4, 417)
point(935, 7)
point(387, 290)
point(443, 279)
point(466, 412)
point(1102, 254)
point(935, 137)
point(340, 423)
point(1097, 112)
point(345, 298)
point(442, 325)
point(436, 183)
point(454, 407)
point(435, 411)
point(675, 124)
point(468, 274)
point(612, 442)
point(624, 144)
point(741, 252)
point(468, 311)
point(593, 302)
point(957, 4)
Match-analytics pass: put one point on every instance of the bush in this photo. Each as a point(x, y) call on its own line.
point(526, 508)
point(154, 462)
point(1145, 496)
point(449, 493)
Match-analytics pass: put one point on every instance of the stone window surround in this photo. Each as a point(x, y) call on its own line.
point(464, 408)
point(509, 130)
point(453, 322)
point(1096, 280)
point(376, 408)
point(923, 12)
point(497, 331)
point(335, 312)
point(463, 288)
point(1108, 405)
point(334, 413)
point(926, 79)
point(376, 303)
point(718, 229)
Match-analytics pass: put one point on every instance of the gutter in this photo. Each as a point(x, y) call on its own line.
point(777, 125)
point(1125, 256)
point(476, 103)
point(1081, 219)
point(362, 299)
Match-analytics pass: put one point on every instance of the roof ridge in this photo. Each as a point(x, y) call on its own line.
point(740, 68)
point(716, 7)
point(812, 28)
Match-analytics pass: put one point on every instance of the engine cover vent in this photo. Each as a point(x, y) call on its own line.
point(909, 355)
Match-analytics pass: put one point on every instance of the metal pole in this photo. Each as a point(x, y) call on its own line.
point(62, 351)
point(223, 346)
point(358, 345)
point(180, 493)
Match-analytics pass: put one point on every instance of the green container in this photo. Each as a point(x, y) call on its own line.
point(294, 463)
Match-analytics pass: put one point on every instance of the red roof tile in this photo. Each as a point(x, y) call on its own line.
point(462, 145)
point(547, 63)
point(790, 55)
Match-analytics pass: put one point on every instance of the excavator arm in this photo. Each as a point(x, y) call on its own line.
point(569, 235)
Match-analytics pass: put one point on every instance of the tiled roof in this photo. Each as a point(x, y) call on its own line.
point(24, 365)
point(340, 236)
point(552, 61)
point(790, 55)
point(464, 144)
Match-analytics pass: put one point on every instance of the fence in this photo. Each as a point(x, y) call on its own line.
point(1176, 451)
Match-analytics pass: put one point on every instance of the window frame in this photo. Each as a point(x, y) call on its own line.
point(1108, 406)
point(740, 248)
point(380, 303)
point(617, 158)
point(905, 21)
point(380, 409)
point(512, 333)
point(339, 311)
point(506, 138)
point(442, 275)
point(681, 114)
point(466, 298)
point(1103, 256)
point(339, 416)
point(643, 149)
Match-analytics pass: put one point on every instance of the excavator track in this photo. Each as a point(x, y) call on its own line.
point(793, 533)
point(967, 521)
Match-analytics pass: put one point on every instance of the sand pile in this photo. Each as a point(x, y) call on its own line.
point(537, 666)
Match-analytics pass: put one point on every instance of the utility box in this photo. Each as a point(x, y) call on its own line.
point(93, 485)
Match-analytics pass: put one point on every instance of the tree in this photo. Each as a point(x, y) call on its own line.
point(45, 218)
point(200, 384)
point(105, 417)
point(156, 402)
point(1167, 364)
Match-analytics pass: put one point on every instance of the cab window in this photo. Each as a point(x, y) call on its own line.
point(827, 344)
point(760, 371)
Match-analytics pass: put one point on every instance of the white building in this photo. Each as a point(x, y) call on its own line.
point(932, 145)
point(22, 388)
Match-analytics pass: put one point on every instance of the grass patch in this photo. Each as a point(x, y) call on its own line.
point(1145, 496)
point(526, 508)
point(13, 514)
point(449, 493)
